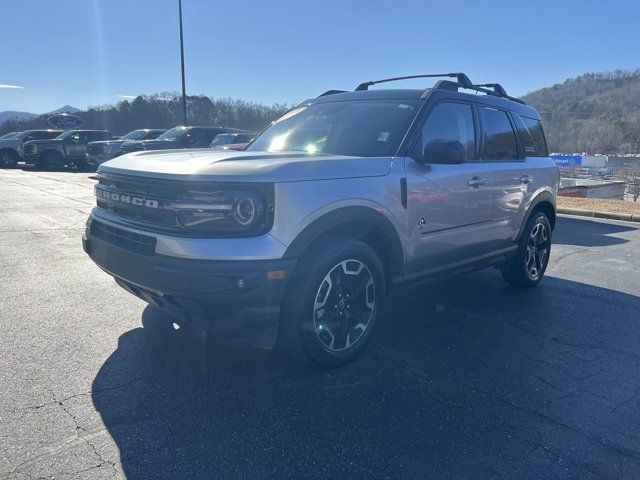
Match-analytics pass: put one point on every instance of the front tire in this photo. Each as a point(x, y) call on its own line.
point(332, 303)
point(8, 159)
point(532, 257)
point(51, 160)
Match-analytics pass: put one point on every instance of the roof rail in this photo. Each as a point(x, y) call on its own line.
point(463, 80)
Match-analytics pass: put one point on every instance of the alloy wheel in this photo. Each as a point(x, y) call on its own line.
point(537, 251)
point(344, 305)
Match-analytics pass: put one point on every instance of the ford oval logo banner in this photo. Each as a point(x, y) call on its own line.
point(65, 121)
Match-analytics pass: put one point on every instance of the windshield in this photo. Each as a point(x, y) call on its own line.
point(359, 127)
point(8, 135)
point(223, 139)
point(134, 135)
point(66, 134)
point(175, 132)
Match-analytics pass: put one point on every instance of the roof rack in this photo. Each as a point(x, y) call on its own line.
point(497, 90)
point(331, 92)
point(463, 80)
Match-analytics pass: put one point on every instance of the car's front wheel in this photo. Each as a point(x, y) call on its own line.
point(532, 257)
point(8, 159)
point(333, 302)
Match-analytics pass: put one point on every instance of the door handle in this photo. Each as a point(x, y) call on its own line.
point(476, 182)
point(526, 179)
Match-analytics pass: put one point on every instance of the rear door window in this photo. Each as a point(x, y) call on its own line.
point(500, 139)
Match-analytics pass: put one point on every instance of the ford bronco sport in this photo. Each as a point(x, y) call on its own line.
point(349, 196)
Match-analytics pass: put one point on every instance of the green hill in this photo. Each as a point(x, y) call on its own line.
point(593, 113)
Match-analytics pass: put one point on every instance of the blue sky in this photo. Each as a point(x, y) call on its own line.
point(91, 52)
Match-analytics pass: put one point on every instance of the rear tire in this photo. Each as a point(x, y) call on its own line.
point(8, 159)
point(332, 302)
point(532, 257)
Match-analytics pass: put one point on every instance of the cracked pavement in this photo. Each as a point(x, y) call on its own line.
point(466, 378)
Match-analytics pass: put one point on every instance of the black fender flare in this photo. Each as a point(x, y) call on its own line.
point(332, 222)
point(543, 198)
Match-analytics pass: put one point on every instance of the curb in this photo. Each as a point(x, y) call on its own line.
point(627, 217)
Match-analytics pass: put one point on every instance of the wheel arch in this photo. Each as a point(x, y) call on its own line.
point(362, 223)
point(543, 202)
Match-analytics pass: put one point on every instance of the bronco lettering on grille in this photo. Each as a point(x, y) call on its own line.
point(126, 198)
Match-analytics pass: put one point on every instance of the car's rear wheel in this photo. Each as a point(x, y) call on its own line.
point(332, 303)
point(51, 160)
point(532, 257)
point(8, 159)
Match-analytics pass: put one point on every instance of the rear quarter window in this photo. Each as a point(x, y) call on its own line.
point(532, 136)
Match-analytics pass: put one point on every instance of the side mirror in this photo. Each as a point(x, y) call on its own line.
point(444, 151)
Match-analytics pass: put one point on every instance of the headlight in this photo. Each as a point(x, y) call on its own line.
point(233, 212)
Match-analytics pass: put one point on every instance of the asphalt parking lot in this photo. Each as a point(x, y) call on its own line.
point(464, 379)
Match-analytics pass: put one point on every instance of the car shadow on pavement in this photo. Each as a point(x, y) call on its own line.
point(463, 379)
point(589, 232)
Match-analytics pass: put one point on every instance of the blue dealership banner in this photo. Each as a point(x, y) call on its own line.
point(567, 160)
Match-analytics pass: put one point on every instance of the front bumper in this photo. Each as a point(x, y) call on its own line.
point(31, 158)
point(230, 298)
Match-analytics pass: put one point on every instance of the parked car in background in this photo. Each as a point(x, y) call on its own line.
point(233, 141)
point(178, 137)
point(100, 152)
point(69, 148)
point(11, 148)
point(9, 135)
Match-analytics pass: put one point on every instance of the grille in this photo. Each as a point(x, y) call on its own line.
point(96, 149)
point(30, 149)
point(162, 192)
point(153, 205)
point(131, 241)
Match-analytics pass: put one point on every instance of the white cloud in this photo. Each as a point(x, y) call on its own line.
point(128, 97)
point(11, 86)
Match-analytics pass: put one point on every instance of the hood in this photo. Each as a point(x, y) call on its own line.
point(226, 165)
point(9, 143)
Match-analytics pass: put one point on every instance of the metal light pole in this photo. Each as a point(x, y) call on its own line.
point(184, 94)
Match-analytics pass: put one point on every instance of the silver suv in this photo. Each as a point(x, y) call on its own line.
point(300, 238)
